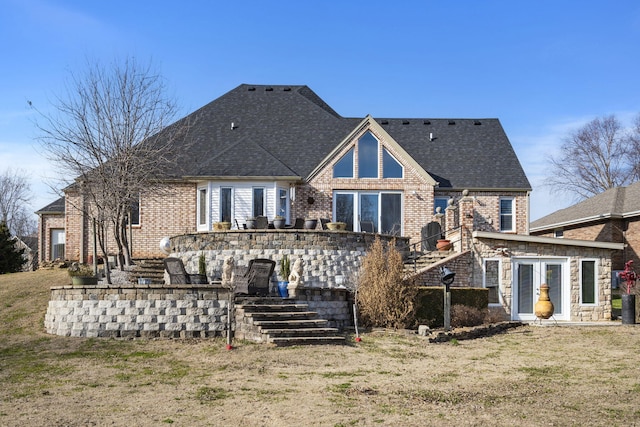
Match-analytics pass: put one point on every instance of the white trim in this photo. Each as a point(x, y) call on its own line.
point(596, 284)
point(203, 226)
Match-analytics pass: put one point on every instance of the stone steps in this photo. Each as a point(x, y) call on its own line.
point(423, 260)
point(275, 321)
point(149, 269)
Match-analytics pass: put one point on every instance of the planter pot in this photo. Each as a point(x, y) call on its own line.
point(282, 289)
point(221, 226)
point(310, 224)
point(84, 281)
point(628, 309)
point(251, 223)
point(544, 307)
point(443, 245)
point(337, 225)
point(279, 223)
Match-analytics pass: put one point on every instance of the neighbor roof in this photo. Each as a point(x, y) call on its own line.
point(286, 131)
point(54, 207)
point(619, 202)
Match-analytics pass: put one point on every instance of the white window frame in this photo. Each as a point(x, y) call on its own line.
point(513, 214)
point(596, 286)
point(203, 223)
point(484, 280)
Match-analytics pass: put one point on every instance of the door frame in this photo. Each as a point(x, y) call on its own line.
point(540, 263)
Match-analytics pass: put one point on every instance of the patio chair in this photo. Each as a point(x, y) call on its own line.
point(256, 279)
point(324, 222)
point(177, 274)
point(367, 227)
point(262, 222)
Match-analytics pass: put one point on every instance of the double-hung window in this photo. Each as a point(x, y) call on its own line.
point(507, 220)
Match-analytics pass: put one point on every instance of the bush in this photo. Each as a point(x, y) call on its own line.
point(462, 315)
point(384, 298)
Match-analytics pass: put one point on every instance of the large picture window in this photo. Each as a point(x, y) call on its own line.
point(381, 209)
point(369, 161)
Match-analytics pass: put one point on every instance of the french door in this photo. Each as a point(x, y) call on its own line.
point(528, 275)
point(382, 209)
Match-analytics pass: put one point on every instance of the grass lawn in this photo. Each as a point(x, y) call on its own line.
point(529, 376)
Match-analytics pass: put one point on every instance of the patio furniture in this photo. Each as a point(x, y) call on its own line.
point(324, 222)
point(177, 274)
point(256, 279)
point(262, 222)
point(298, 225)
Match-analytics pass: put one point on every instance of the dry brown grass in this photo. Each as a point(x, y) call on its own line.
point(531, 376)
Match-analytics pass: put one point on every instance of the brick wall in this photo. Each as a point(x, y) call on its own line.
point(47, 222)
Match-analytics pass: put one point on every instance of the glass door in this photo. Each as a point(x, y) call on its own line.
point(528, 276)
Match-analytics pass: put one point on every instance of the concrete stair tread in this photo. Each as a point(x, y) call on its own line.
point(283, 314)
point(312, 331)
point(278, 324)
point(250, 308)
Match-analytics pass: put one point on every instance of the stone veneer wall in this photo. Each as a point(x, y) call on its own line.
point(326, 254)
point(178, 311)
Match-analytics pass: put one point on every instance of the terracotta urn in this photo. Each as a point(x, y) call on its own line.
point(544, 307)
point(443, 245)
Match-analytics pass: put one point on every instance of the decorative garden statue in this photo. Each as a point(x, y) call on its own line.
point(295, 278)
point(227, 271)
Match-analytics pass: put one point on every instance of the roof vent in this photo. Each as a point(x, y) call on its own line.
point(233, 126)
point(269, 89)
point(426, 122)
point(405, 122)
point(452, 122)
point(477, 122)
point(384, 122)
point(431, 137)
point(251, 89)
point(287, 89)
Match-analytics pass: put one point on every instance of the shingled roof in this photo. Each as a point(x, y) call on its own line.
point(619, 202)
point(286, 131)
point(56, 207)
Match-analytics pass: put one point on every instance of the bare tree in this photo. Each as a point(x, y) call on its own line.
point(593, 159)
point(634, 148)
point(103, 132)
point(15, 194)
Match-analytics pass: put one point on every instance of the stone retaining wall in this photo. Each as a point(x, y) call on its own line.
point(127, 312)
point(166, 311)
point(327, 255)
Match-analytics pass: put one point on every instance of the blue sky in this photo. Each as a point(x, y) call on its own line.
point(542, 67)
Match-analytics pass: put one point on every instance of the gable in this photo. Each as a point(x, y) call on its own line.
point(387, 142)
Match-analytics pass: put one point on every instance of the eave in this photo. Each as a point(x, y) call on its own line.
point(547, 240)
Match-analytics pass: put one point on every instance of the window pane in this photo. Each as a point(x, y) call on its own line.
point(367, 156)
point(344, 209)
point(554, 280)
point(492, 280)
point(506, 215)
point(202, 213)
point(344, 167)
point(440, 202)
point(588, 282)
point(525, 289)
point(225, 204)
point(369, 209)
point(135, 212)
point(282, 203)
point(391, 213)
point(258, 201)
point(390, 166)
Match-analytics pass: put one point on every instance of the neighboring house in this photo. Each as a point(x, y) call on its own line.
point(30, 254)
point(611, 216)
point(281, 150)
point(51, 231)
